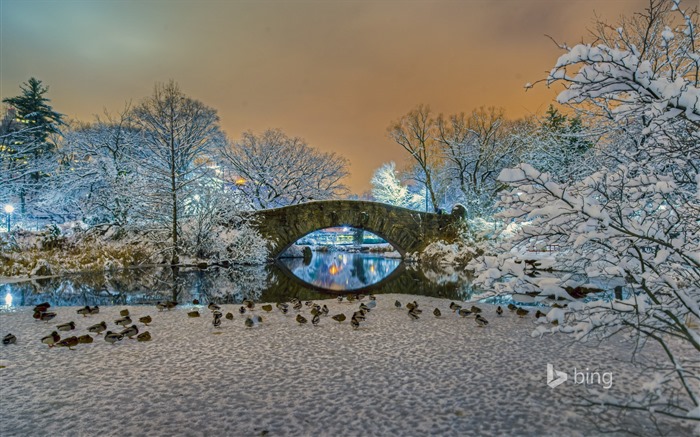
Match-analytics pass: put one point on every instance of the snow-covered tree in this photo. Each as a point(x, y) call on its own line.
point(28, 143)
point(634, 221)
point(387, 188)
point(272, 170)
point(178, 136)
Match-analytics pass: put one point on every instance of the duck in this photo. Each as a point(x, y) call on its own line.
point(123, 321)
point(229, 316)
point(66, 326)
point(267, 308)
point(170, 304)
point(195, 301)
point(436, 312)
point(397, 304)
point(281, 305)
point(340, 318)
point(249, 304)
point(324, 310)
point(301, 319)
point(85, 339)
point(46, 317)
point(372, 297)
point(464, 312)
point(351, 298)
point(522, 312)
point(113, 337)
point(410, 306)
point(145, 320)
point(454, 307)
point(37, 315)
point(355, 323)
point(258, 319)
point(309, 303)
point(144, 336)
point(499, 311)
point(161, 306)
point(213, 307)
point(249, 322)
point(413, 314)
point(124, 313)
point(359, 315)
point(51, 339)
point(42, 307)
point(98, 328)
point(84, 311)
point(193, 314)
point(340, 299)
point(475, 309)
point(297, 306)
point(512, 307)
point(9, 339)
point(539, 314)
point(241, 310)
point(216, 322)
point(95, 310)
point(68, 342)
point(315, 320)
point(130, 331)
point(481, 321)
point(364, 307)
point(284, 310)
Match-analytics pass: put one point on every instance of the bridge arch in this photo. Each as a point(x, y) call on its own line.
point(407, 230)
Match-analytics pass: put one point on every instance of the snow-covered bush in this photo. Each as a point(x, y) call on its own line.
point(634, 222)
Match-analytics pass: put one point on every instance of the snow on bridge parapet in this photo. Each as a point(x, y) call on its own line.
point(407, 230)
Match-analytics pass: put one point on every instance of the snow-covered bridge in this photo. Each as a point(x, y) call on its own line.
point(407, 230)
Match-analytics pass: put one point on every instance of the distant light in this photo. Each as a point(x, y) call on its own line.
point(240, 181)
point(8, 299)
point(345, 229)
point(9, 209)
point(196, 197)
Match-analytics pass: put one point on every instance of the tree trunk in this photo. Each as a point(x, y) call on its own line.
point(173, 187)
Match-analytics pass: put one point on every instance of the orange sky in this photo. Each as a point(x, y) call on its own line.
point(333, 72)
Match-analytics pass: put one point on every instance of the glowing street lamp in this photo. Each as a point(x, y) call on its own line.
point(9, 209)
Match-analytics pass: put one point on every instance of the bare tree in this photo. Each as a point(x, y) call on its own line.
point(178, 135)
point(415, 132)
point(272, 170)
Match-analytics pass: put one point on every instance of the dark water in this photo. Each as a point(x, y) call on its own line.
point(326, 276)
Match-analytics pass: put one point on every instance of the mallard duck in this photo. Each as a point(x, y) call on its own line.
point(309, 303)
point(194, 302)
point(364, 307)
point(499, 311)
point(522, 312)
point(193, 314)
point(464, 312)
point(123, 321)
point(301, 319)
point(98, 328)
point(297, 306)
point(249, 304)
point(340, 299)
point(281, 305)
point(249, 322)
point(258, 319)
point(340, 318)
point(216, 322)
point(95, 310)
point(539, 314)
point(475, 309)
point(355, 323)
point(350, 298)
point(144, 336)
point(360, 296)
point(85, 339)
point(9, 339)
point(124, 312)
point(213, 307)
point(241, 310)
point(145, 320)
point(229, 316)
point(324, 310)
point(113, 337)
point(372, 297)
point(397, 304)
point(130, 331)
point(454, 307)
point(481, 321)
point(37, 315)
point(267, 308)
point(66, 326)
point(84, 311)
point(359, 315)
point(170, 304)
point(410, 306)
point(512, 307)
point(436, 312)
point(316, 319)
point(161, 306)
point(413, 314)
point(46, 317)
point(68, 342)
point(51, 339)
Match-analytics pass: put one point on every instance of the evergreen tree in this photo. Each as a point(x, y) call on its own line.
point(26, 151)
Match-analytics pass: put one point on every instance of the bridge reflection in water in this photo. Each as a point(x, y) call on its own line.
point(265, 283)
point(341, 271)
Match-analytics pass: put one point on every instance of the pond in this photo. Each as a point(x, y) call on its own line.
point(327, 275)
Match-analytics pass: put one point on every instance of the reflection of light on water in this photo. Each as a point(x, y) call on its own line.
point(333, 270)
point(8, 299)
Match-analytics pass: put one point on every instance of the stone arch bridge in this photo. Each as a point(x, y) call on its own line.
point(407, 230)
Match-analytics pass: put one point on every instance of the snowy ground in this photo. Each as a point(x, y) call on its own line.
point(393, 376)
